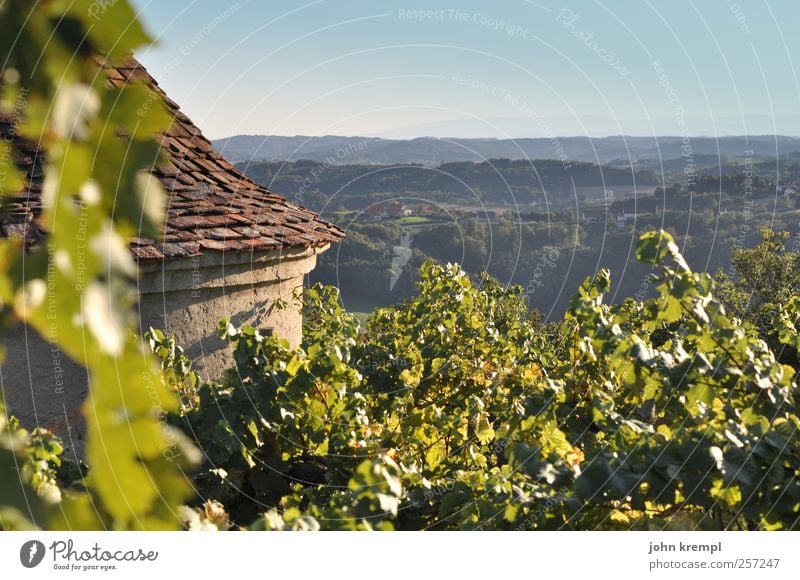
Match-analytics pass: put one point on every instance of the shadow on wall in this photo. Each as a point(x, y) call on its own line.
point(43, 387)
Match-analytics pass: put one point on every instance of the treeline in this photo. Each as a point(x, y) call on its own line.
point(322, 186)
point(709, 221)
point(737, 183)
point(549, 259)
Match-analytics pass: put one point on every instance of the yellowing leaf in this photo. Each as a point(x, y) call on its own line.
point(484, 430)
point(730, 496)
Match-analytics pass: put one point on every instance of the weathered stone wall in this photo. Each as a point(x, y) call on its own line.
point(186, 298)
point(42, 386)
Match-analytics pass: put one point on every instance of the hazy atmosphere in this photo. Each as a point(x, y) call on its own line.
point(478, 69)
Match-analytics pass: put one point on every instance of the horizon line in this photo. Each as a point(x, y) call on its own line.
point(548, 138)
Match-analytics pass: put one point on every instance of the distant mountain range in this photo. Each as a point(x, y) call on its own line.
point(619, 150)
point(594, 126)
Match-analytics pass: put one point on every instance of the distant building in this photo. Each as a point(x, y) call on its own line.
point(375, 213)
point(394, 209)
point(425, 209)
point(624, 218)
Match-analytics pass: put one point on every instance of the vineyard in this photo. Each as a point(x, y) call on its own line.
point(455, 410)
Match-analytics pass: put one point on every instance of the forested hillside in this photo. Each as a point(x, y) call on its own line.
point(341, 150)
point(326, 188)
point(480, 215)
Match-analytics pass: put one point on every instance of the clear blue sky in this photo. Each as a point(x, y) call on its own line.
point(488, 68)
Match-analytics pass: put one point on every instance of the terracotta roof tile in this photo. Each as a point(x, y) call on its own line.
point(248, 232)
point(173, 250)
point(213, 245)
point(147, 252)
point(221, 234)
point(262, 242)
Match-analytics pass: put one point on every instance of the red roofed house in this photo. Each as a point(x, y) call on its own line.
point(394, 209)
point(230, 248)
point(375, 212)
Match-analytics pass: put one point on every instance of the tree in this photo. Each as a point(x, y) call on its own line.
point(764, 277)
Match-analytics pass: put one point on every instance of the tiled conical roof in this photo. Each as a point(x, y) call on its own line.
point(211, 204)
